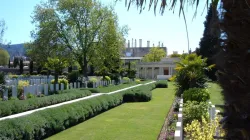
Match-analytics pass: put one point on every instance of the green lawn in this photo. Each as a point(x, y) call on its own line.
point(129, 121)
point(216, 97)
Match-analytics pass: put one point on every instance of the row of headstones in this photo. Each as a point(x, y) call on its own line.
point(39, 89)
point(178, 135)
point(31, 81)
point(101, 83)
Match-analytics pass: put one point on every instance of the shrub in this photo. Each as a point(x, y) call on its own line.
point(204, 129)
point(29, 95)
point(44, 72)
point(65, 73)
point(137, 81)
point(93, 80)
point(73, 76)
point(61, 81)
point(137, 95)
point(194, 111)
point(2, 78)
point(106, 78)
point(161, 84)
point(21, 85)
point(13, 98)
point(125, 80)
point(196, 94)
point(92, 90)
point(13, 76)
point(13, 107)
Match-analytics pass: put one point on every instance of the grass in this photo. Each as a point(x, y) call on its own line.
point(129, 121)
point(216, 96)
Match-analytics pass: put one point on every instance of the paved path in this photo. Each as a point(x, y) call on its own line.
point(68, 102)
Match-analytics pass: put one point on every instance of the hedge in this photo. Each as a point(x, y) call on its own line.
point(161, 84)
point(42, 124)
point(18, 106)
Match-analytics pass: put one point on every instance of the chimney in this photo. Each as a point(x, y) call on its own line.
point(135, 43)
point(148, 43)
point(132, 43)
point(128, 43)
point(140, 43)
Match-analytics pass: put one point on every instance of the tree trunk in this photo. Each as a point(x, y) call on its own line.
point(234, 69)
point(56, 80)
point(85, 66)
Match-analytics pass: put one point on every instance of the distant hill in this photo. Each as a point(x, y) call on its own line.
point(15, 50)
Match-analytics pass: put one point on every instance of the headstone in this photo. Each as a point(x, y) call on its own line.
point(14, 91)
point(62, 86)
point(5, 94)
point(74, 84)
point(51, 87)
point(57, 87)
point(25, 90)
point(71, 85)
point(78, 83)
point(46, 89)
point(86, 84)
point(93, 84)
point(113, 82)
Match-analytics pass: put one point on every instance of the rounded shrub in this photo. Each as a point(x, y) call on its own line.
point(106, 78)
point(161, 84)
point(137, 81)
point(91, 81)
point(125, 80)
point(73, 76)
point(21, 85)
point(196, 94)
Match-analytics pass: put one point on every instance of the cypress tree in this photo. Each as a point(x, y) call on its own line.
point(9, 63)
point(31, 67)
point(21, 66)
point(207, 44)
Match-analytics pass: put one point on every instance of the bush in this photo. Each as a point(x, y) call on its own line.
point(196, 94)
point(73, 76)
point(194, 111)
point(2, 78)
point(137, 95)
point(29, 95)
point(161, 84)
point(13, 98)
point(13, 76)
point(93, 80)
point(137, 81)
point(13, 107)
point(92, 90)
point(65, 73)
point(21, 85)
point(44, 72)
point(106, 78)
point(42, 124)
point(125, 80)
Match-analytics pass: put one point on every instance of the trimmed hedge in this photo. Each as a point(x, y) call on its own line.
point(161, 84)
point(196, 94)
point(42, 124)
point(18, 106)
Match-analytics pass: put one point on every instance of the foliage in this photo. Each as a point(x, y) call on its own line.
point(15, 62)
point(196, 94)
point(65, 73)
point(208, 42)
point(93, 80)
point(194, 110)
point(21, 85)
point(137, 95)
point(175, 55)
point(203, 130)
point(2, 78)
point(161, 84)
point(106, 78)
point(18, 106)
point(125, 80)
point(4, 57)
point(73, 76)
point(191, 73)
point(21, 66)
point(13, 98)
point(44, 72)
point(137, 81)
point(30, 95)
point(63, 81)
point(155, 54)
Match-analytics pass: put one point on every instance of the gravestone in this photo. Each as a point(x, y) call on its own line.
point(51, 87)
point(14, 91)
point(74, 84)
point(5, 94)
point(78, 83)
point(113, 82)
point(86, 84)
point(93, 84)
point(57, 87)
point(25, 90)
point(71, 85)
point(62, 86)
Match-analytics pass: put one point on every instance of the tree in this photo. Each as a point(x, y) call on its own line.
point(77, 25)
point(9, 63)
point(4, 57)
point(15, 62)
point(110, 47)
point(57, 64)
point(232, 61)
point(2, 30)
point(208, 44)
point(31, 67)
point(21, 66)
point(155, 54)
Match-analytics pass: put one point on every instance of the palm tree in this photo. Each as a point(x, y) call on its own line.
point(232, 61)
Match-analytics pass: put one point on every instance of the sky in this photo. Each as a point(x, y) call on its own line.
point(168, 28)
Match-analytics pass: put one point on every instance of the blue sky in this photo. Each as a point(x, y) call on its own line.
point(169, 28)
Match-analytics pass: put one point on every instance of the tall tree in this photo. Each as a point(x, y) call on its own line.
point(110, 46)
point(232, 61)
point(31, 67)
point(4, 57)
point(15, 62)
point(21, 66)
point(155, 55)
point(77, 23)
point(208, 44)
point(2, 30)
